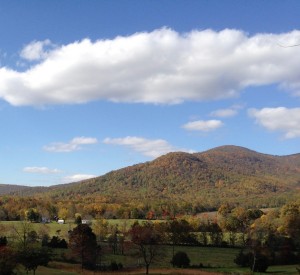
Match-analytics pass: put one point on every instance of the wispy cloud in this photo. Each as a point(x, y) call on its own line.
point(37, 50)
point(203, 125)
point(279, 119)
point(148, 147)
point(160, 67)
point(227, 112)
point(41, 170)
point(73, 145)
point(77, 177)
point(224, 113)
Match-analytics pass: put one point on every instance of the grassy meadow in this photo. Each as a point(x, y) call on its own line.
point(212, 259)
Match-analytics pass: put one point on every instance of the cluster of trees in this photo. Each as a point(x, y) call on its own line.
point(175, 183)
point(265, 238)
point(25, 250)
point(37, 209)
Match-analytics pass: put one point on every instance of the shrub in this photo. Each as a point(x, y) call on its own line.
point(260, 264)
point(114, 266)
point(56, 242)
point(3, 241)
point(242, 259)
point(8, 260)
point(180, 259)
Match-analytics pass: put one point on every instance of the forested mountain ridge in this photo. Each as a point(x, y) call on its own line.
point(9, 188)
point(223, 174)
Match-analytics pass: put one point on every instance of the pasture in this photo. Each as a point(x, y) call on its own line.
point(213, 260)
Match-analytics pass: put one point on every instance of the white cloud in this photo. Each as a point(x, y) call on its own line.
point(279, 119)
point(35, 50)
point(160, 67)
point(203, 125)
point(148, 147)
point(227, 112)
point(224, 113)
point(40, 170)
point(77, 177)
point(73, 145)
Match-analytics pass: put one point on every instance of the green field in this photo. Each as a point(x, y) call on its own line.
point(212, 258)
point(218, 260)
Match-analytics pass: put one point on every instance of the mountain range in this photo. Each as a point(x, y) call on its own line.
point(224, 174)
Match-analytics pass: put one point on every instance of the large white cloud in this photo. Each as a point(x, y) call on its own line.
point(148, 147)
point(279, 119)
point(160, 67)
point(72, 145)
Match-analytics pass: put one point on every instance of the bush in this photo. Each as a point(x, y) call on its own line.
point(242, 259)
point(3, 241)
point(56, 242)
point(180, 259)
point(8, 260)
point(114, 266)
point(261, 263)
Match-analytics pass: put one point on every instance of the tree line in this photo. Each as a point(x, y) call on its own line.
point(264, 238)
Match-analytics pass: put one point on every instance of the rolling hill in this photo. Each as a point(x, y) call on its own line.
point(10, 188)
point(223, 174)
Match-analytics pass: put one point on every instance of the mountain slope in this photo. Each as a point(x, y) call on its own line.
point(9, 188)
point(224, 174)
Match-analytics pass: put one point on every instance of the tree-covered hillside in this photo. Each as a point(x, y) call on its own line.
point(225, 174)
point(9, 188)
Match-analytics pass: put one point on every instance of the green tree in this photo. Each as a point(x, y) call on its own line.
point(33, 257)
point(180, 259)
point(290, 220)
point(179, 232)
point(78, 219)
point(32, 215)
point(63, 213)
point(203, 230)
point(147, 240)
point(100, 227)
point(23, 234)
point(8, 260)
point(215, 233)
point(83, 244)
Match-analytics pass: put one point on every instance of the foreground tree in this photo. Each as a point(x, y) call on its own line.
point(8, 260)
point(255, 260)
point(23, 235)
point(147, 239)
point(83, 245)
point(33, 257)
point(180, 232)
point(290, 220)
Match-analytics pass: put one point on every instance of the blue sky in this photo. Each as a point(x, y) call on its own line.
point(87, 87)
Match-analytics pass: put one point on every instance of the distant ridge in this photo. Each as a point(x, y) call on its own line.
point(9, 188)
point(222, 174)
